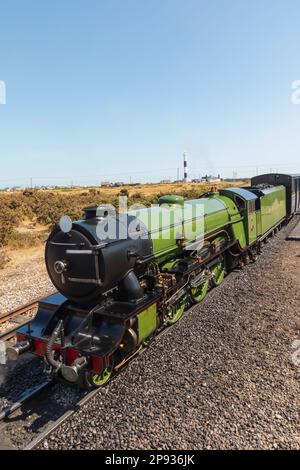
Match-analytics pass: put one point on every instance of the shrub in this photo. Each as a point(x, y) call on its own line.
point(4, 259)
point(7, 226)
point(124, 192)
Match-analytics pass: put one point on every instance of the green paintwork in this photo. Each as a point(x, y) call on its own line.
point(219, 273)
point(169, 265)
point(199, 293)
point(163, 224)
point(171, 199)
point(273, 207)
point(248, 233)
point(166, 227)
point(214, 210)
point(251, 223)
point(147, 323)
point(100, 380)
point(237, 227)
point(258, 223)
point(177, 311)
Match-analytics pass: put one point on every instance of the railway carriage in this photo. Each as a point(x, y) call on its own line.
point(116, 291)
point(290, 182)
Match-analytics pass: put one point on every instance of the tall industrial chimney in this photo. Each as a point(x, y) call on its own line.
point(185, 170)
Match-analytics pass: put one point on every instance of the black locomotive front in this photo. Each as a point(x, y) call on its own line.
point(98, 254)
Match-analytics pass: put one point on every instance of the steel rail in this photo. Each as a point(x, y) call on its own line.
point(89, 395)
point(10, 334)
point(51, 427)
point(23, 308)
point(19, 311)
point(25, 397)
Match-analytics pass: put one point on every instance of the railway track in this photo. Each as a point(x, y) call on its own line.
point(19, 311)
point(51, 427)
point(48, 430)
point(7, 411)
point(16, 317)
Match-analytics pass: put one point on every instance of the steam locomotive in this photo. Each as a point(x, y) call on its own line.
point(122, 278)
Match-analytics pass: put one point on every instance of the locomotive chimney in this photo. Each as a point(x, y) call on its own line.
point(90, 212)
point(95, 212)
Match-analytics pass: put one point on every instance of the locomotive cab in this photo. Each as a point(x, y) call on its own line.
point(245, 201)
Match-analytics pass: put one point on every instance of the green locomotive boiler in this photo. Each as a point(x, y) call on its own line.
point(122, 278)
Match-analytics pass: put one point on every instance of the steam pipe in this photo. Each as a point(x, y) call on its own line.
point(49, 349)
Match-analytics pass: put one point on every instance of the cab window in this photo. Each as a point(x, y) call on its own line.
point(240, 203)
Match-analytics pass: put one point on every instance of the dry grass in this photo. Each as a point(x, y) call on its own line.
point(150, 189)
point(27, 217)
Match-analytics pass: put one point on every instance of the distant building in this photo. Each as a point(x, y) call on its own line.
point(234, 180)
point(211, 179)
point(105, 184)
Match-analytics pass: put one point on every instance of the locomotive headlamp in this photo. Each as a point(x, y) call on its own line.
point(65, 224)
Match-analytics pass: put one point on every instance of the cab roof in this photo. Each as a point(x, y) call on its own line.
point(241, 192)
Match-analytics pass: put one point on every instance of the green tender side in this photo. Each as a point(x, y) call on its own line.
point(147, 322)
point(273, 207)
point(258, 223)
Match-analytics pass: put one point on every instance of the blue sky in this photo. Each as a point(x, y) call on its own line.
point(118, 89)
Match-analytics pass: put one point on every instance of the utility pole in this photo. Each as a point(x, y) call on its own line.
point(31, 182)
point(177, 175)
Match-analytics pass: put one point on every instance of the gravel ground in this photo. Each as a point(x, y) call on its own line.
point(222, 378)
point(21, 281)
point(17, 377)
point(24, 280)
point(49, 405)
